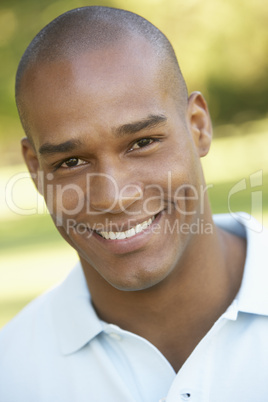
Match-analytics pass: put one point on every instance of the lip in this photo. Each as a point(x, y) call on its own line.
point(129, 244)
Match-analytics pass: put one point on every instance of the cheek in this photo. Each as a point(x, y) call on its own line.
point(64, 200)
point(180, 178)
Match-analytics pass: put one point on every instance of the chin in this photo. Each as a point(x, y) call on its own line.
point(140, 281)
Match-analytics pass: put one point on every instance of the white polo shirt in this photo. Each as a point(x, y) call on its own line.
point(58, 350)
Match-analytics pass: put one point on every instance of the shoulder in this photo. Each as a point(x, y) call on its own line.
point(35, 324)
point(21, 341)
point(39, 344)
point(20, 334)
point(246, 226)
point(252, 297)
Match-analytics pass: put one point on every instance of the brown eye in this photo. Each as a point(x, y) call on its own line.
point(72, 162)
point(142, 143)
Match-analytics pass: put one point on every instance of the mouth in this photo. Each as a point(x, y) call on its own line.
point(127, 239)
point(111, 235)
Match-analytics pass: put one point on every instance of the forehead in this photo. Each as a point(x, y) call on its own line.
point(115, 66)
point(114, 83)
point(131, 56)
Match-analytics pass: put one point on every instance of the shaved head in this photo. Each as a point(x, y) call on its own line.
point(88, 29)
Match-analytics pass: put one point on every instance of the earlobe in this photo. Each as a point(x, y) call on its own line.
point(199, 122)
point(31, 160)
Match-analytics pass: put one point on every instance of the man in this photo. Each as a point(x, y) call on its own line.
point(156, 309)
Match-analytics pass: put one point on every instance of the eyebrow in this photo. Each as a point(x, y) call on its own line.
point(130, 128)
point(48, 148)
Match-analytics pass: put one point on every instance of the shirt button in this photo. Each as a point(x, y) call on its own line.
point(115, 336)
point(186, 396)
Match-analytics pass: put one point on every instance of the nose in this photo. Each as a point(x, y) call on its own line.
point(112, 193)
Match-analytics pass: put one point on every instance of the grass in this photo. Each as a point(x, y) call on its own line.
point(240, 201)
point(27, 230)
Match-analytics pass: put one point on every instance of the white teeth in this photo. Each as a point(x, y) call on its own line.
point(128, 233)
point(121, 235)
point(144, 225)
point(112, 235)
point(138, 228)
point(105, 235)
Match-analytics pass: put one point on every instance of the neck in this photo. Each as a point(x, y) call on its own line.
point(186, 303)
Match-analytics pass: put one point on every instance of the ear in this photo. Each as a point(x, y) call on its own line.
point(199, 122)
point(32, 162)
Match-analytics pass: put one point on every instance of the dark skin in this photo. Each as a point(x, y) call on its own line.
point(169, 288)
point(186, 307)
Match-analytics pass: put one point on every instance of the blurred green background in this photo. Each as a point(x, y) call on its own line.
point(222, 48)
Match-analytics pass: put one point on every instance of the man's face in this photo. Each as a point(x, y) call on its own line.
point(120, 168)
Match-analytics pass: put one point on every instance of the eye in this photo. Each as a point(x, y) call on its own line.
point(71, 162)
point(143, 142)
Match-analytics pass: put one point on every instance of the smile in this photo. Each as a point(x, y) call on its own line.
point(128, 233)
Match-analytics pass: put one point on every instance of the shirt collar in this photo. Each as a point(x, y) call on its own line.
point(252, 297)
point(74, 318)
